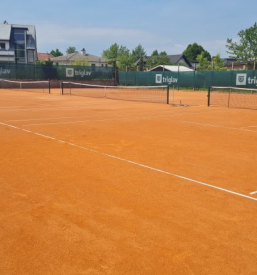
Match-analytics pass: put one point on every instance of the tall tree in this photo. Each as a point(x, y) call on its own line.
point(204, 63)
point(111, 55)
point(218, 64)
point(193, 50)
point(71, 50)
point(157, 59)
point(125, 59)
point(138, 54)
point(246, 48)
point(56, 53)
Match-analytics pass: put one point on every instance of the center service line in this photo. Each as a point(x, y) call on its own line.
point(137, 164)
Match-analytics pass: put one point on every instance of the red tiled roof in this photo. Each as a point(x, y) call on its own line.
point(44, 56)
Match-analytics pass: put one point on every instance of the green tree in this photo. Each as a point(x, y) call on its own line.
point(193, 50)
point(125, 60)
point(71, 50)
point(56, 53)
point(246, 48)
point(218, 64)
point(47, 62)
point(157, 59)
point(204, 63)
point(111, 55)
point(138, 52)
point(80, 62)
point(138, 55)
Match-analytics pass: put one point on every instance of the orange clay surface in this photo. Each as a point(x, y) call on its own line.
point(98, 186)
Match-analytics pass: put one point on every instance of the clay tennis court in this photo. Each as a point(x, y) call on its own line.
point(99, 186)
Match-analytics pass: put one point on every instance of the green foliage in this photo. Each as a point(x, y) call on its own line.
point(138, 54)
point(204, 63)
point(217, 64)
point(246, 48)
point(125, 60)
point(45, 62)
point(193, 50)
point(157, 59)
point(80, 62)
point(71, 50)
point(56, 53)
point(111, 55)
point(120, 57)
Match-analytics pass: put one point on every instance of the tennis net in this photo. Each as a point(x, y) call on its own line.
point(154, 94)
point(28, 86)
point(233, 97)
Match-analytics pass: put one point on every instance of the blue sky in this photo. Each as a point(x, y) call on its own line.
point(163, 25)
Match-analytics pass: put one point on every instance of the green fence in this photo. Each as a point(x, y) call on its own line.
point(64, 72)
point(195, 79)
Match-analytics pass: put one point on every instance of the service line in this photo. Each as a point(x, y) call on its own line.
point(138, 164)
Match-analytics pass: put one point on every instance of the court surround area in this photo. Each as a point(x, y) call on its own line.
point(102, 186)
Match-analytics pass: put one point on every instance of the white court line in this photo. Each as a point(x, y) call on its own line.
point(219, 126)
point(153, 115)
point(253, 193)
point(144, 166)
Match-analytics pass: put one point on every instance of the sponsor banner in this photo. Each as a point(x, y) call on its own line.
point(241, 79)
point(71, 72)
point(245, 80)
point(4, 71)
point(160, 79)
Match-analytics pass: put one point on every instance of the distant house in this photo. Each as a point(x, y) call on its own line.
point(171, 68)
point(177, 59)
point(44, 56)
point(72, 58)
point(233, 64)
point(180, 59)
point(18, 43)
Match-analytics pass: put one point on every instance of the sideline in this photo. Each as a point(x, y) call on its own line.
point(134, 163)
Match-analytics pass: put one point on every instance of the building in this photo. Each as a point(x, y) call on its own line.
point(80, 58)
point(171, 68)
point(18, 43)
point(44, 56)
point(177, 59)
point(180, 59)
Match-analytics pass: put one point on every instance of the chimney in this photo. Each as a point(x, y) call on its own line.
point(83, 51)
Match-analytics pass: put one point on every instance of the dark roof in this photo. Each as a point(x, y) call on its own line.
point(174, 58)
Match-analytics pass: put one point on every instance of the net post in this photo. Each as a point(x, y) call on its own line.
point(49, 88)
point(168, 94)
point(209, 96)
point(229, 92)
point(61, 88)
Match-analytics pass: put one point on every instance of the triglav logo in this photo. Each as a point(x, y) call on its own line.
point(166, 80)
point(158, 78)
point(5, 71)
point(69, 72)
point(241, 79)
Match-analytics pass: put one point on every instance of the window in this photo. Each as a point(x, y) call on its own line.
point(19, 36)
point(2, 46)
